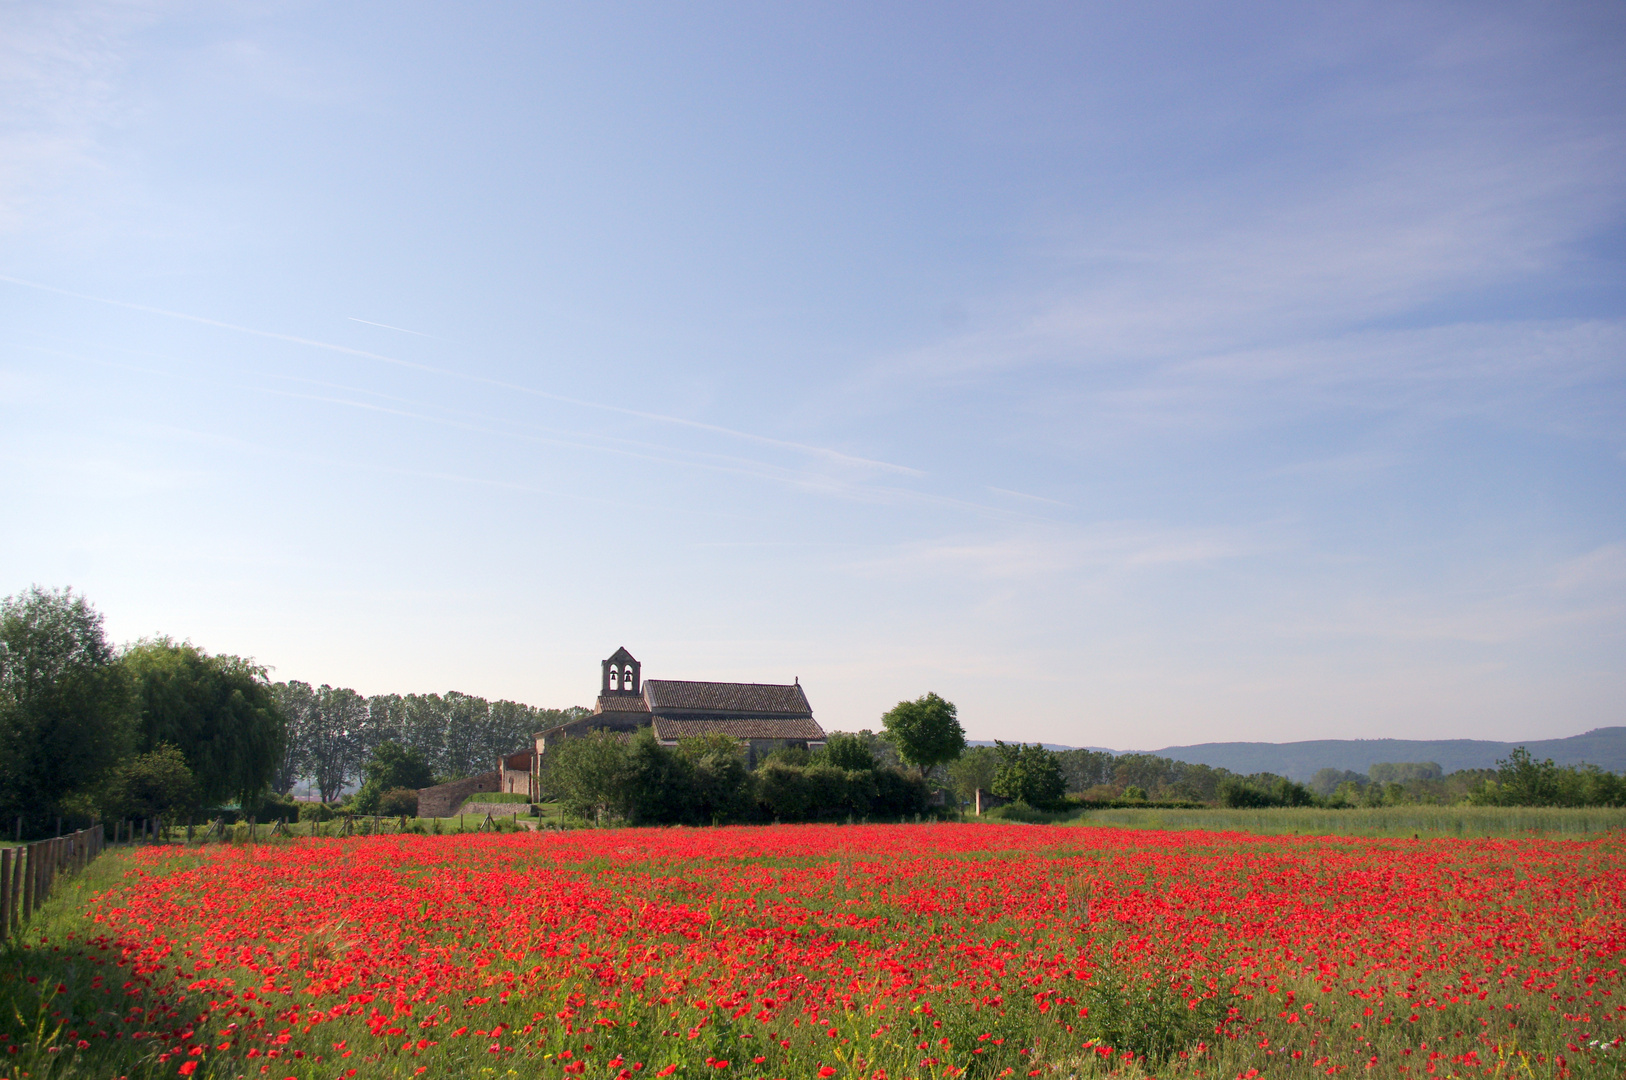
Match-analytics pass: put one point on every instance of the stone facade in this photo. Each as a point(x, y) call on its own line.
point(517, 775)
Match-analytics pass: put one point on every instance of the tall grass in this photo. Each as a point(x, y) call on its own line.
point(1405, 821)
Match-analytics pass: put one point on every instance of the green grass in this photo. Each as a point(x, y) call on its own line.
point(1402, 821)
point(497, 797)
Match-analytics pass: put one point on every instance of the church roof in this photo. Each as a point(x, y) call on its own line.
point(621, 703)
point(759, 699)
point(764, 727)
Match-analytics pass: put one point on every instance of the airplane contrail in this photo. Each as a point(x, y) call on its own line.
point(387, 326)
point(821, 451)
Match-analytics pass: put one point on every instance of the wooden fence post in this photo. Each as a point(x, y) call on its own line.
point(5, 893)
point(14, 884)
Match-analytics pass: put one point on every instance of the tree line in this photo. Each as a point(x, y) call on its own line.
point(160, 727)
point(91, 731)
point(332, 733)
point(1052, 779)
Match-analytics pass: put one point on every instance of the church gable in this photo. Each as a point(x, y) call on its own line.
point(622, 675)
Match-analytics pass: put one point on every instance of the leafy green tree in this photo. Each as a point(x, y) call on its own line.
point(1524, 781)
point(296, 701)
point(720, 784)
point(972, 770)
point(1029, 774)
point(155, 784)
point(392, 767)
point(926, 731)
point(1085, 769)
point(587, 774)
point(395, 766)
point(845, 751)
point(66, 709)
point(1327, 781)
point(655, 782)
point(1264, 789)
point(829, 792)
point(1404, 772)
point(218, 710)
point(334, 739)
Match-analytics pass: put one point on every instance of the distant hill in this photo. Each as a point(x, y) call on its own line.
point(1603, 747)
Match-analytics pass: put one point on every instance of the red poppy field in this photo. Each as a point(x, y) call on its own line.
point(884, 952)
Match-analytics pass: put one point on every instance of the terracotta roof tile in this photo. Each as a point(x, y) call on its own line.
point(764, 727)
point(621, 703)
point(757, 698)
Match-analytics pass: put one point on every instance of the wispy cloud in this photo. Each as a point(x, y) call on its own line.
point(61, 72)
point(1057, 551)
point(1349, 274)
point(828, 454)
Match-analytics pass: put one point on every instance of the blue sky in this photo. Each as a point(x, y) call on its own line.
point(1131, 375)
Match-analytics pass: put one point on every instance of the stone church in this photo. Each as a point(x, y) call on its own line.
point(762, 716)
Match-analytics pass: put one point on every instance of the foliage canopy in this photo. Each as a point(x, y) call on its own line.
point(926, 731)
point(66, 710)
point(218, 710)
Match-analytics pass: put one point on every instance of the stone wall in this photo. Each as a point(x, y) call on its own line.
point(442, 800)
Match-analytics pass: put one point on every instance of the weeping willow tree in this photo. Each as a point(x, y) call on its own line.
point(217, 710)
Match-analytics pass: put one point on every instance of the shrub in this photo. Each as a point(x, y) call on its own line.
point(829, 792)
point(783, 791)
point(720, 788)
point(272, 807)
point(1264, 790)
point(316, 812)
point(391, 767)
point(655, 784)
point(899, 794)
point(850, 752)
point(1029, 815)
point(796, 757)
point(156, 784)
point(399, 802)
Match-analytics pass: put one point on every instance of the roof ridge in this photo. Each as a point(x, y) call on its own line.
point(717, 682)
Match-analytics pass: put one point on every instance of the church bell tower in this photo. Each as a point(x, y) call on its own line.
point(622, 676)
